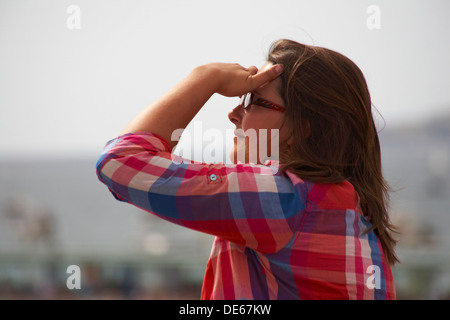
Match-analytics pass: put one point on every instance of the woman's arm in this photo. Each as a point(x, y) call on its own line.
point(176, 108)
point(250, 205)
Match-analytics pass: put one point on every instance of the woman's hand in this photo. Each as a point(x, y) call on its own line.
point(232, 79)
point(177, 107)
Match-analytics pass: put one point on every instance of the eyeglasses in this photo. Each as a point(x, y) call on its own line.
point(251, 98)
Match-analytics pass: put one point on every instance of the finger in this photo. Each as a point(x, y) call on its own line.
point(266, 75)
point(253, 70)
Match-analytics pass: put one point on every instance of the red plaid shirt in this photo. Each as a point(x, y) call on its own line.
point(277, 236)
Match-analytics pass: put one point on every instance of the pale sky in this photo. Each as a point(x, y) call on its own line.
point(64, 92)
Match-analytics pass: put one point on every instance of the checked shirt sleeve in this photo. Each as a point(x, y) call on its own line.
point(252, 205)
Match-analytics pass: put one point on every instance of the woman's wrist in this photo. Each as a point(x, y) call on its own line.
point(177, 107)
point(208, 76)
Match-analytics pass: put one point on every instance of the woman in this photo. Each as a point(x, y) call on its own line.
point(318, 228)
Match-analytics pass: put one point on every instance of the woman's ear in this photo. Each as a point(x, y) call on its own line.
point(290, 141)
point(308, 129)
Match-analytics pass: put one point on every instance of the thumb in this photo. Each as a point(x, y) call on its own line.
point(267, 75)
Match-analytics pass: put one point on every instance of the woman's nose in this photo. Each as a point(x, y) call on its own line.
point(235, 115)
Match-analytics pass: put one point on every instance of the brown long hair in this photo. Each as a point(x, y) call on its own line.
point(328, 107)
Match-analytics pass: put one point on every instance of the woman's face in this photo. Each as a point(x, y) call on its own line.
point(251, 140)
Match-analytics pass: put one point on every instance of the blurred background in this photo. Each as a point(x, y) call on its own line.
point(73, 73)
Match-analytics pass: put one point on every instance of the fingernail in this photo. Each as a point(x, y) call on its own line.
point(278, 68)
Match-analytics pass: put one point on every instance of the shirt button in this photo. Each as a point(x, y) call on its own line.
point(213, 177)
